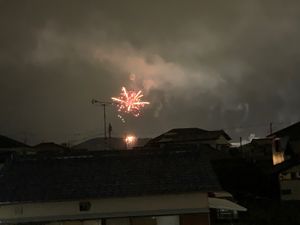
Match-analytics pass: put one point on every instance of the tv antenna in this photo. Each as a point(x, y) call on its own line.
point(103, 104)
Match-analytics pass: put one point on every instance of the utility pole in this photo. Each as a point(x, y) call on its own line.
point(271, 128)
point(103, 104)
point(104, 119)
point(109, 130)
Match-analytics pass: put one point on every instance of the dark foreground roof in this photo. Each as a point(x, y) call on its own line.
point(187, 135)
point(44, 177)
point(6, 142)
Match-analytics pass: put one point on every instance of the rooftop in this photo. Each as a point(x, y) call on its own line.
point(188, 134)
point(6, 142)
point(292, 131)
point(103, 174)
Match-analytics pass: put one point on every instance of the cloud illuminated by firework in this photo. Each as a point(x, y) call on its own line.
point(130, 102)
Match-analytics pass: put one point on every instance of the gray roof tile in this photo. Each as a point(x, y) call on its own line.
point(55, 177)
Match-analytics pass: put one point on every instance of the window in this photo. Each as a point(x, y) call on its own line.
point(224, 214)
point(285, 176)
point(84, 206)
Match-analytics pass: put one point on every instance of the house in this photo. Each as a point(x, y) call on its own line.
point(110, 187)
point(286, 143)
point(217, 139)
point(8, 144)
point(50, 146)
point(258, 149)
point(289, 179)
point(260, 152)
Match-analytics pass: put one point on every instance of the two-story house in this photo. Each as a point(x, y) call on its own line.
point(135, 187)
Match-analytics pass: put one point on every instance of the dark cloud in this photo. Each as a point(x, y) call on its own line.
point(210, 64)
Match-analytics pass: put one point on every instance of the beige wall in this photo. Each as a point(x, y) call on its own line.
point(197, 219)
point(143, 221)
point(294, 186)
point(168, 220)
point(117, 207)
point(118, 221)
point(76, 222)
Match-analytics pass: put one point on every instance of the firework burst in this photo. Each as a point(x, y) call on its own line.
point(130, 102)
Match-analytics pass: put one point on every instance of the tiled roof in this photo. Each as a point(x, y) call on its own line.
point(186, 135)
point(70, 176)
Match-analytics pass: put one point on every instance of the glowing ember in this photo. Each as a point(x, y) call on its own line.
point(130, 141)
point(130, 102)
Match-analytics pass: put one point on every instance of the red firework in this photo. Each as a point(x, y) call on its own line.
point(130, 102)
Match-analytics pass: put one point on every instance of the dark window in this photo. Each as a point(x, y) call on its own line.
point(224, 214)
point(293, 175)
point(84, 206)
point(286, 191)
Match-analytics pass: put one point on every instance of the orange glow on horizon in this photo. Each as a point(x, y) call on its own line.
point(130, 141)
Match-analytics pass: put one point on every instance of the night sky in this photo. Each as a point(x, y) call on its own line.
point(209, 64)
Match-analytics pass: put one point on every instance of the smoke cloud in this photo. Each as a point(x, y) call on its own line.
point(209, 64)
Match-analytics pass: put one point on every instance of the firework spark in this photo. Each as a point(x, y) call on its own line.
point(130, 102)
point(130, 141)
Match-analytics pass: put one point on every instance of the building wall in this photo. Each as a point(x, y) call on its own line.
point(76, 222)
point(218, 143)
point(106, 208)
point(296, 146)
point(143, 221)
point(168, 220)
point(222, 141)
point(188, 219)
point(290, 184)
point(290, 190)
point(195, 219)
point(118, 221)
